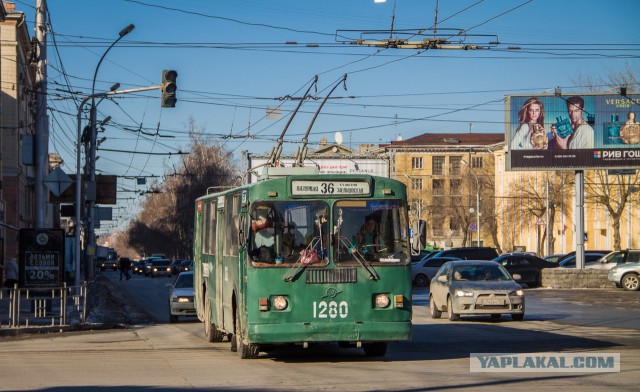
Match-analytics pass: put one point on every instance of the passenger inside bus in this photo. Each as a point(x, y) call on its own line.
point(263, 231)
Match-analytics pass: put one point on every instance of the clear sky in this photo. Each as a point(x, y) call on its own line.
point(235, 58)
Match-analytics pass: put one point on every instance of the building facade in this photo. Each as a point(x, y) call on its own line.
point(449, 177)
point(17, 126)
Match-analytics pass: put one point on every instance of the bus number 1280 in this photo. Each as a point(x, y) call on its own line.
point(331, 309)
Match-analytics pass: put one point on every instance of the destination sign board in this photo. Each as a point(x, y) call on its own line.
point(329, 188)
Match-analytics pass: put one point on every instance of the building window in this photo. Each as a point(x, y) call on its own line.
point(416, 163)
point(438, 187)
point(454, 165)
point(416, 184)
point(476, 162)
point(437, 165)
point(455, 187)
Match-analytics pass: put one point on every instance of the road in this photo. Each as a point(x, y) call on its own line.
point(169, 357)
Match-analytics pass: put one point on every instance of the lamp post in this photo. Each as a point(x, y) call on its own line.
point(477, 198)
point(90, 193)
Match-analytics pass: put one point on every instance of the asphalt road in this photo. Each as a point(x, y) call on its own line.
point(162, 357)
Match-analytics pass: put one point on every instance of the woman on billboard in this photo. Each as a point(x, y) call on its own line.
point(530, 134)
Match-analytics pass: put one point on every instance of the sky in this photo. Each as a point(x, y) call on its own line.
point(236, 58)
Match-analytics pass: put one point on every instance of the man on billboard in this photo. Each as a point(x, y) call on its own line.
point(574, 133)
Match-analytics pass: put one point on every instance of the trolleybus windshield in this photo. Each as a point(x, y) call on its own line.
point(370, 231)
point(287, 232)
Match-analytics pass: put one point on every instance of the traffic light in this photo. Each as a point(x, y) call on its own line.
point(169, 88)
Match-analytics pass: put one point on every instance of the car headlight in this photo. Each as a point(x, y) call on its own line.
point(382, 301)
point(517, 293)
point(462, 293)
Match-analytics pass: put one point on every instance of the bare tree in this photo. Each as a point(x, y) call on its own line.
point(165, 223)
point(547, 191)
point(615, 193)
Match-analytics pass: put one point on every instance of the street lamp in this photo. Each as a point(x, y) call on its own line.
point(91, 163)
point(477, 197)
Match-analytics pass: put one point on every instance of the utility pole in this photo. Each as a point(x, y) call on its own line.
point(42, 120)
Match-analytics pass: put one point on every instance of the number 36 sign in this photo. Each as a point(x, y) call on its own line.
point(41, 258)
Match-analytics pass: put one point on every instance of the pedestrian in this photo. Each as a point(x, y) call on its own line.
point(124, 264)
point(11, 273)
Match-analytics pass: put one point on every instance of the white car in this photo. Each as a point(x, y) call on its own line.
point(181, 297)
point(615, 258)
point(626, 276)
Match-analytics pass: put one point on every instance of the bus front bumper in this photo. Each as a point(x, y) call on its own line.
point(330, 332)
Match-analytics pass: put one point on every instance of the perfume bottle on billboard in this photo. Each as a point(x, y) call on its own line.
point(612, 131)
point(563, 127)
point(630, 130)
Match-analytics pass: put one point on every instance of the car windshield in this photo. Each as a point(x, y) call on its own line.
point(480, 272)
point(288, 232)
point(371, 230)
point(184, 281)
point(161, 263)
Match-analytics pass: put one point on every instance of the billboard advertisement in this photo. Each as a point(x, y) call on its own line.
point(572, 132)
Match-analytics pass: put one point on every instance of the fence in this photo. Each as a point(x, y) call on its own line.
point(43, 307)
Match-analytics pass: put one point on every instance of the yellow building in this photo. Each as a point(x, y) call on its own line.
point(449, 178)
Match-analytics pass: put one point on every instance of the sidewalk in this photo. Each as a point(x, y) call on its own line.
point(110, 310)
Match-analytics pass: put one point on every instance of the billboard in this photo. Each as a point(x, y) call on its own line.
point(572, 132)
point(41, 258)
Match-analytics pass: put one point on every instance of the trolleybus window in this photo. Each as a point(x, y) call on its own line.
point(209, 228)
point(370, 230)
point(287, 232)
point(232, 223)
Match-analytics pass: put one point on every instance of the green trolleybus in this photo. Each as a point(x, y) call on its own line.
point(300, 258)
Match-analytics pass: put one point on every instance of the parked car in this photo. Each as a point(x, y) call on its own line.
point(626, 276)
point(470, 253)
point(423, 253)
point(570, 254)
point(181, 297)
point(423, 271)
point(615, 258)
point(570, 262)
point(526, 265)
point(463, 287)
point(160, 267)
point(554, 258)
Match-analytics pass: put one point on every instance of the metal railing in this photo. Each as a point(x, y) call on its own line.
point(43, 307)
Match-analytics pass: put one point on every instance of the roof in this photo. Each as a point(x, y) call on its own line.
point(451, 139)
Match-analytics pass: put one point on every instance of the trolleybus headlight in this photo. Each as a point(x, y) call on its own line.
point(280, 302)
point(382, 301)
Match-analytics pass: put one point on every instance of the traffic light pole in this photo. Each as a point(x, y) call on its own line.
point(91, 171)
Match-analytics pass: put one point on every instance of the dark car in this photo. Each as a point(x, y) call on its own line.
point(138, 267)
point(573, 254)
point(187, 265)
point(570, 262)
point(526, 265)
point(470, 253)
point(421, 256)
point(175, 267)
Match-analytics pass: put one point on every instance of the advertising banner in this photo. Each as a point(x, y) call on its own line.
point(572, 132)
point(41, 258)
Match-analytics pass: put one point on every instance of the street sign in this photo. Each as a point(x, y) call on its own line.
point(57, 181)
point(472, 227)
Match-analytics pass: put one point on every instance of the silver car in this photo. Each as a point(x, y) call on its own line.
point(626, 276)
point(466, 287)
point(181, 297)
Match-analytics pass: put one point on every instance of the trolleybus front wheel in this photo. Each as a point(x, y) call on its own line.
point(246, 351)
point(377, 349)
